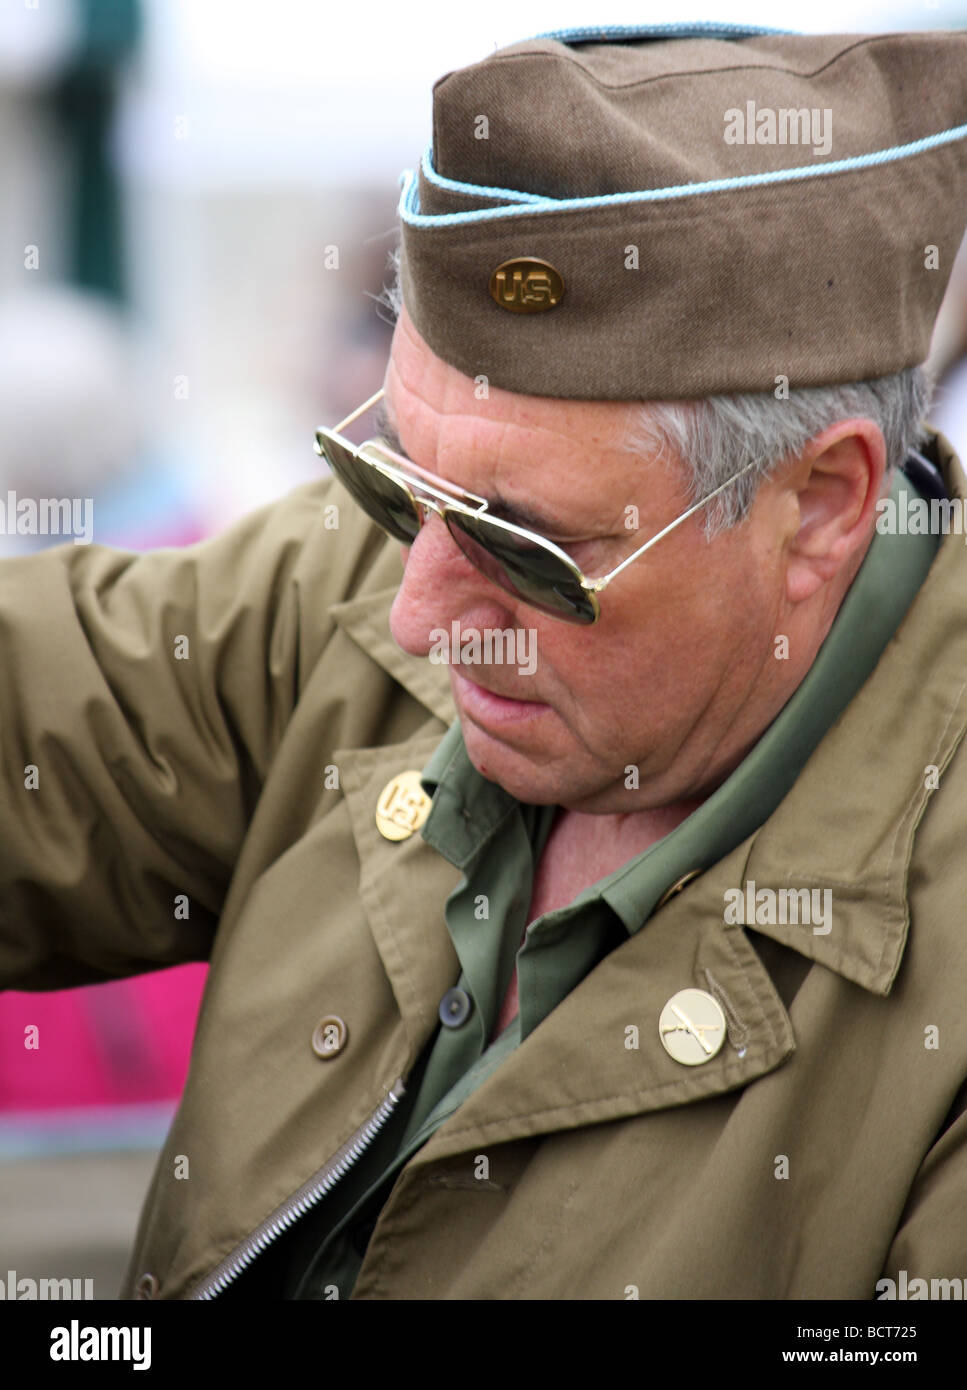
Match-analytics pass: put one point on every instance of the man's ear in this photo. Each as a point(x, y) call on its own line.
point(836, 482)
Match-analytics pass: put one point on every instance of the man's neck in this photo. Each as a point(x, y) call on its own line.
point(603, 843)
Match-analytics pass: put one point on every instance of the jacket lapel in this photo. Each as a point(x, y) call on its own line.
point(849, 823)
point(366, 621)
point(403, 885)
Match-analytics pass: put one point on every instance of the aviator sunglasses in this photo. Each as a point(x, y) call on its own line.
point(397, 494)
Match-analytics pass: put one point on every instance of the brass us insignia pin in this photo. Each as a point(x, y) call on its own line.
point(527, 285)
point(402, 807)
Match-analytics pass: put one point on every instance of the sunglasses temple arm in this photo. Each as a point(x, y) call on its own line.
point(356, 413)
point(598, 584)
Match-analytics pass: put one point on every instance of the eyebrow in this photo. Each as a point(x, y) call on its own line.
point(387, 430)
point(515, 512)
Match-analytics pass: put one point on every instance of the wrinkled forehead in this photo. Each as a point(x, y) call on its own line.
point(557, 457)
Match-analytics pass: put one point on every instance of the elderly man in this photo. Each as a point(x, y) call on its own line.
point(644, 975)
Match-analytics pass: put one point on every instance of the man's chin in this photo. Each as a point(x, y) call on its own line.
point(520, 774)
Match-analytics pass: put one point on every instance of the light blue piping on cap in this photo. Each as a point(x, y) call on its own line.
point(700, 28)
point(408, 209)
point(479, 190)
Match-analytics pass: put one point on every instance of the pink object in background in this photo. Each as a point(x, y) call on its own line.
point(120, 1043)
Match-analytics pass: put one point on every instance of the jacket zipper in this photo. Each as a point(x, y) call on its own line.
point(283, 1217)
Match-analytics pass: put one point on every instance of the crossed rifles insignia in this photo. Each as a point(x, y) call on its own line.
point(692, 1027)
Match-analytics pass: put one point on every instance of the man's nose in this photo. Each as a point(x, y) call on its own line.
point(439, 583)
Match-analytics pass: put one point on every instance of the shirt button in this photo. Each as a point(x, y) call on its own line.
point(329, 1037)
point(692, 1027)
point(146, 1287)
point(455, 1008)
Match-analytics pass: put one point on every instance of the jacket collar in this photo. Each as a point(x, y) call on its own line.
point(365, 620)
point(873, 776)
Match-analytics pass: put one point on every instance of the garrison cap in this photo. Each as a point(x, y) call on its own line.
point(669, 211)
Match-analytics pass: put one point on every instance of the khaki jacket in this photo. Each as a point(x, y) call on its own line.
point(823, 1148)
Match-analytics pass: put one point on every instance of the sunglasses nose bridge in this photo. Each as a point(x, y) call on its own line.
point(430, 505)
point(427, 505)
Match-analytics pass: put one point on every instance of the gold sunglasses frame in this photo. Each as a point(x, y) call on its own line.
point(455, 499)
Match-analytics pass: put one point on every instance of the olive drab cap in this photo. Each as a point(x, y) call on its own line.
point(648, 212)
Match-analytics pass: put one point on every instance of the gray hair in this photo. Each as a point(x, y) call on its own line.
point(716, 436)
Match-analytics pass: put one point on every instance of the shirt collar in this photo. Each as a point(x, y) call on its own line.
point(467, 808)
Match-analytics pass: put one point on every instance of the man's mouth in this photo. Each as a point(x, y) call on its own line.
point(486, 706)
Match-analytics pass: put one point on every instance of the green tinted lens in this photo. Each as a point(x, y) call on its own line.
point(387, 501)
point(523, 568)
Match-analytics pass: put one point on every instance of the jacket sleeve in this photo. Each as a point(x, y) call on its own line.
point(141, 700)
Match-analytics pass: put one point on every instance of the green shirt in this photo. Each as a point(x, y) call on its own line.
point(496, 841)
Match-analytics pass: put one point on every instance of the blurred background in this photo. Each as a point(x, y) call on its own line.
point(197, 203)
